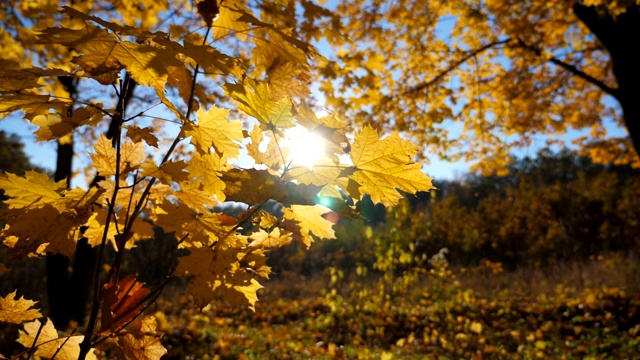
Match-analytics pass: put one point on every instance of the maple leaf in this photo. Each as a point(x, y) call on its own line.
point(167, 172)
point(142, 347)
point(142, 342)
point(216, 268)
point(55, 126)
point(382, 166)
point(34, 189)
point(253, 186)
point(31, 104)
point(305, 220)
point(137, 134)
point(200, 229)
point(213, 128)
point(49, 344)
point(289, 80)
point(255, 100)
point(104, 159)
point(17, 311)
point(123, 300)
point(191, 194)
point(228, 20)
point(274, 239)
point(206, 169)
point(44, 229)
point(273, 157)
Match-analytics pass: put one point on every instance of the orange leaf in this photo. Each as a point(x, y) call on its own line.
point(122, 302)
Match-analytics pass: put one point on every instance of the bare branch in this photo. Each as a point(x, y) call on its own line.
point(455, 65)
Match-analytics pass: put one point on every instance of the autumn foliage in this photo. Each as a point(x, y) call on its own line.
point(474, 80)
point(143, 180)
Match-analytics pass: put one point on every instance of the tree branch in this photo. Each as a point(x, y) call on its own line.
point(572, 69)
point(455, 65)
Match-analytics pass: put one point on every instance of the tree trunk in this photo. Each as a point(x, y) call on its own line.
point(68, 292)
point(620, 36)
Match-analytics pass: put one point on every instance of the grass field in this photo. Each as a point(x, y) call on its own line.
point(571, 311)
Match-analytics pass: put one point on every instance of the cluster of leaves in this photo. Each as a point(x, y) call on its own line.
point(178, 189)
point(474, 80)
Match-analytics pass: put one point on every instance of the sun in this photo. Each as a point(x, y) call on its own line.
point(306, 148)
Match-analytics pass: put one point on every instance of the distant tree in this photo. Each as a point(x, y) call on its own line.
point(475, 79)
point(12, 156)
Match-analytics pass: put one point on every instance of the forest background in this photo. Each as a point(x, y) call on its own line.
point(399, 263)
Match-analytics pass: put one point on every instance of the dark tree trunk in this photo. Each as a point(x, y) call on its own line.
point(68, 291)
point(620, 35)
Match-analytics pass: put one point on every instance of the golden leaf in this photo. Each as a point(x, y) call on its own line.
point(305, 220)
point(253, 186)
point(213, 269)
point(104, 160)
point(167, 172)
point(31, 104)
point(141, 347)
point(34, 189)
point(382, 166)
point(48, 343)
point(137, 134)
point(289, 80)
point(191, 195)
point(206, 169)
point(44, 229)
point(255, 100)
point(55, 126)
point(142, 343)
point(17, 311)
point(227, 20)
point(213, 129)
point(265, 240)
point(273, 157)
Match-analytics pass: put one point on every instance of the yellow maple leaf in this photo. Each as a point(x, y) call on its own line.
point(206, 168)
point(305, 220)
point(137, 134)
point(289, 80)
point(34, 189)
point(31, 104)
point(55, 126)
point(215, 268)
point(265, 240)
point(167, 172)
point(382, 166)
point(141, 347)
point(49, 344)
point(253, 186)
point(213, 129)
point(44, 229)
point(254, 99)
point(104, 160)
point(191, 195)
point(197, 229)
point(17, 311)
point(228, 20)
point(273, 157)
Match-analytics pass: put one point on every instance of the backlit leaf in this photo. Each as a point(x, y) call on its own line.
point(49, 343)
point(382, 166)
point(17, 311)
point(305, 220)
point(33, 189)
point(213, 129)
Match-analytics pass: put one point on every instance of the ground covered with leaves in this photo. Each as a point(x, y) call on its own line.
point(441, 321)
